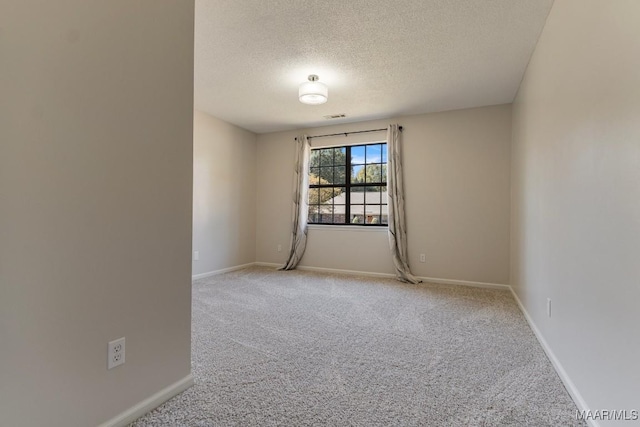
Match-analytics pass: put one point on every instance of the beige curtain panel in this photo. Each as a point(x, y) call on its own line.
point(397, 226)
point(300, 203)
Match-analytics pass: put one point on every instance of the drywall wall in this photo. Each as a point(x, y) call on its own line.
point(576, 210)
point(96, 125)
point(456, 168)
point(224, 194)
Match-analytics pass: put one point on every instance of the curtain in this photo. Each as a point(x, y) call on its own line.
point(397, 226)
point(300, 203)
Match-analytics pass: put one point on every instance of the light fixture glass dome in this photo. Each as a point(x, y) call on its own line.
point(313, 92)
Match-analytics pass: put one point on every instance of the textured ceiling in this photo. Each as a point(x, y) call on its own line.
point(379, 58)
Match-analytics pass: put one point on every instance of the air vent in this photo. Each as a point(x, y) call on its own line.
point(334, 116)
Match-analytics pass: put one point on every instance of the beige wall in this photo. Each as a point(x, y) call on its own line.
point(224, 194)
point(576, 182)
point(457, 186)
point(95, 205)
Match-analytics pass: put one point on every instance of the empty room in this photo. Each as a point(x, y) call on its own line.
point(411, 213)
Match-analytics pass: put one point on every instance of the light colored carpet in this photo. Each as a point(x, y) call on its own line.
point(301, 348)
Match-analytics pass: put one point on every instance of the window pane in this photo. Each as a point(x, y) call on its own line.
point(326, 157)
point(357, 174)
point(357, 214)
point(339, 212)
point(384, 173)
point(313, 214)
point(376, 214)
point(374, 219)
point(340, 156)
point(356, 219)
point(374, 153)
point(357, 155)
point(314, 196)
point(339, 175)
point(326, 214)
point(326, 175)
point(314, 159)
point(314, 173)
point(373, 197)
point(331, 195)
point(324, 196)
point(384, 153)
point(339, 195)
point(371, 209)
point(357, 196)
point(373, 173)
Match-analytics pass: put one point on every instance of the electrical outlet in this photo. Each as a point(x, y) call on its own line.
point(115, 353)
point(196, 255)
point(423, 258)
point(279, 248)
point(549, 307)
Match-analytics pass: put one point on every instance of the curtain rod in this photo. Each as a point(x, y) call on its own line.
point(348, 133)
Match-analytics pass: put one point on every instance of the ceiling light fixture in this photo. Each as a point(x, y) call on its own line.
point(313, 92)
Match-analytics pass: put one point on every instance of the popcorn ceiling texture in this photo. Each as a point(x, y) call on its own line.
point(302, 348)
point(380, 59)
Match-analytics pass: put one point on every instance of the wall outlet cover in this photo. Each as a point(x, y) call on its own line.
point(115, 353)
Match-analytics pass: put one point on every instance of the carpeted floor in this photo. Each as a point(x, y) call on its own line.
point(301, 348)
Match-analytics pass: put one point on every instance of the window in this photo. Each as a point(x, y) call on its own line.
point(348, 185)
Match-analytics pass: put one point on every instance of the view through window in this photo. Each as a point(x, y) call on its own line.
point(348, 185)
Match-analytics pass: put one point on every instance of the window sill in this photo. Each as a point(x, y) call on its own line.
point(376, 228)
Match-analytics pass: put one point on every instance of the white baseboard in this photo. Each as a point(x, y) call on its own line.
point(224, 270)
point(390, 275)
point(568, 384)
point(347, 272)
point(465, 283)
point(268, 264)
point(150, 403)
point(327, 270)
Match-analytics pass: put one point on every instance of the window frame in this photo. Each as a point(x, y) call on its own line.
point(348, 185)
